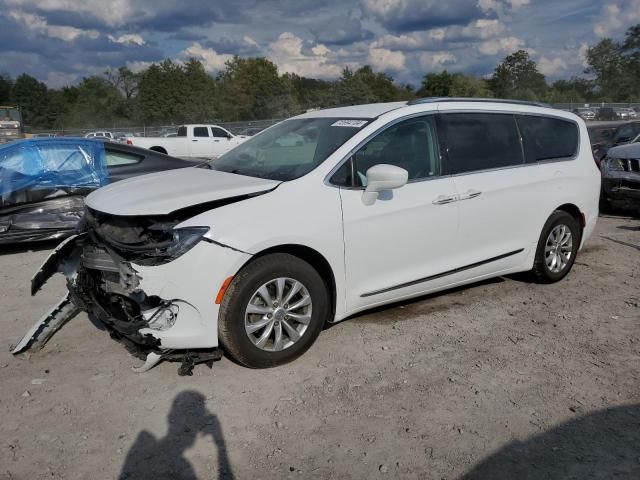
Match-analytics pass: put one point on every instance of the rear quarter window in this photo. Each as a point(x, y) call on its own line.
point(547, 138)
point(116, 159)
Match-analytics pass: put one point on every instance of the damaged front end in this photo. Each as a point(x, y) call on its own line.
point(128, 275)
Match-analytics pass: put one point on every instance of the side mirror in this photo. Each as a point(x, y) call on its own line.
point(383, 177)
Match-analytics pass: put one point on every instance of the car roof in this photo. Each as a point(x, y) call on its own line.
point(370, 110)
point(374, 110)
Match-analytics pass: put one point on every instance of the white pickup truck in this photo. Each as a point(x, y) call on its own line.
point(192, 141)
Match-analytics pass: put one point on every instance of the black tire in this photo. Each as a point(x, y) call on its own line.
point(542, 273)
point(231, 321)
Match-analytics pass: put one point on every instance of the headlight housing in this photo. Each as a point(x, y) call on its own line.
point(615, 164)
point(170, 245)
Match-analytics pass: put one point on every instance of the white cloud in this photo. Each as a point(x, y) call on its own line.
point(249, 41)
point(289, 54)
point(386, 60)
point(212, 60)
point(616, 16)
point(38, 24)
point(582, 54)
point(60, 79)
point(500, 5)
point(128, 39)
point(437, 60)
point(112, 12)
point(480, 29)
point(500, 45)
point(552, 67)
point(138, 66)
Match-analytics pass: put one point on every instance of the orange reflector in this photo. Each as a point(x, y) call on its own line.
point(223, 289)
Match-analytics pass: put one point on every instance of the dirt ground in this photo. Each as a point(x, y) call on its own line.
point(504, 379)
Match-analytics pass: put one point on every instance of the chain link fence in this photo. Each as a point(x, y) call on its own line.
point(254, 126)
point(237, 128)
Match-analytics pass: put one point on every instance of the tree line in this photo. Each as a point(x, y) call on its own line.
point(252, 89)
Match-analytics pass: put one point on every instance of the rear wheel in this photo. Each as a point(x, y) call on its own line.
point(273, 311)
point(557, 247)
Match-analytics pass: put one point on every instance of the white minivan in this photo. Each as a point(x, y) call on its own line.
point(324, 215)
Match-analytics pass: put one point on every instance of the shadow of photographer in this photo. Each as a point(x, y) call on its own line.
point(150, 458)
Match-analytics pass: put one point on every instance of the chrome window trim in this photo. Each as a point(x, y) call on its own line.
point(327, 179)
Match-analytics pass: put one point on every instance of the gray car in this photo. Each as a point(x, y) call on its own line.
point(621, 175)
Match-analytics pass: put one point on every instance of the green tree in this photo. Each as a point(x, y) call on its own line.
point(517, 77)
point(630, 50)
point(380, 84)
point(469, 86)
point(311, 93)
point(574, 90)
point(33, 98)
point(607, 66)
point(199, 103)
point(250, 89)
point(436, 85)
point(161, 94)
point(97, 103)
point(6, 84)
point(351, 89)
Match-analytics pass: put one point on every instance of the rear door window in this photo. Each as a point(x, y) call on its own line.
point(478, 141)
point(547, 138)
point(200, 132)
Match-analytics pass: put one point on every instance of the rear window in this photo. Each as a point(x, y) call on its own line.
point(479, 141)
point(546, 138)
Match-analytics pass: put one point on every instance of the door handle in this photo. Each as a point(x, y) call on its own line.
point(469, 194)
point(216, 140)
point(444, 199)
point(194, 140)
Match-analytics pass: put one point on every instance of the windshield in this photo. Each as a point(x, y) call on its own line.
point(9, 114)
point(290, 149)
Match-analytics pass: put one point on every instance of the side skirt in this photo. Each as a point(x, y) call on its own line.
point(443, 274)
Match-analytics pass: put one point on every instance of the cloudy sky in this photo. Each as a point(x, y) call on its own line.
point(60, 41)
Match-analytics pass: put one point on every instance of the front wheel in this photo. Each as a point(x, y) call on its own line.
point(273, 311)
point(557, 247)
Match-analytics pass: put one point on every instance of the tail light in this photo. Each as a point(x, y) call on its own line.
point(129, 142)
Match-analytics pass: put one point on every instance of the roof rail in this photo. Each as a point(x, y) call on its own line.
point(419, 101)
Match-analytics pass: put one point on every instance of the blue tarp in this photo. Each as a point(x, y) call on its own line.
point(52, 163)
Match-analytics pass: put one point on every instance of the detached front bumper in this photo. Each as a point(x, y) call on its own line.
point(158, 309)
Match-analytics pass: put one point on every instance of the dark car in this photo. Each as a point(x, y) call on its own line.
point(604, 136)
point(43, 182)
point(607, 113)
point(621, 176)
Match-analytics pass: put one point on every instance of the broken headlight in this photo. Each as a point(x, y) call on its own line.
point(176, 242)
point(615, 164)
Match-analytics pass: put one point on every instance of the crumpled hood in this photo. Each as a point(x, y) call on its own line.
point(165, 192)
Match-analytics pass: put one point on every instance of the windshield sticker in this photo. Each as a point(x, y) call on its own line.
point(349, 123)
